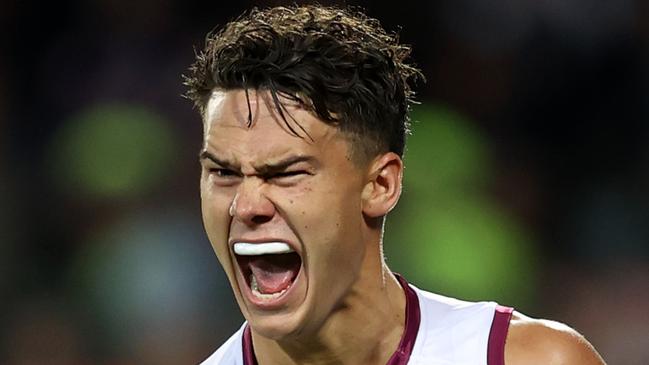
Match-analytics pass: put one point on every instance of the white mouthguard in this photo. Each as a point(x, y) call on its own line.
point(266, 248)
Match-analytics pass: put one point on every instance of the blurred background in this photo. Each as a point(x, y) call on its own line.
point(526, 182)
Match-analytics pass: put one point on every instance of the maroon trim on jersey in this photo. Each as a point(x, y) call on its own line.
point(248, 352)
point(498, 335)
point(400, 357)
point(411, 327)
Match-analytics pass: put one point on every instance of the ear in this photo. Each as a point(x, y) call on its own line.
point(383, 188)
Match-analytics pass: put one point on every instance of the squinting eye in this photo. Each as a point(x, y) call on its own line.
point(222, 172)
point(288, 174)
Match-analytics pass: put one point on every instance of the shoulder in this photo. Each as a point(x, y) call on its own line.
point(229, 353)
point(538, 341)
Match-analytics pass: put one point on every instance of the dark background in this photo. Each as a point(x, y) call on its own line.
point(526, 176)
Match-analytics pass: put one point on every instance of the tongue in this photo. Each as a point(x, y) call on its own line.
point(275, 273)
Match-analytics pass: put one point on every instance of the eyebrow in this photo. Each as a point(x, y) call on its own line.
point(264, 169)
point(206, 155)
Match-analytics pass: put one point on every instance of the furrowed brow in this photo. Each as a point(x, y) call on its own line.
point(206, 155)
point(282, 165)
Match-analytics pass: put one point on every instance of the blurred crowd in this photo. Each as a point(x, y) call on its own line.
point(527, 175)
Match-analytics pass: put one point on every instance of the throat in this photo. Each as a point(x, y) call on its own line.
point(352, 348)
point(362, 332)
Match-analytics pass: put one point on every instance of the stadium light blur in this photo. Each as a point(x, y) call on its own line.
point(112, 150)
point(447, 234)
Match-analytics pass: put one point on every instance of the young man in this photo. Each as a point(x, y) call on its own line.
point(305, 113)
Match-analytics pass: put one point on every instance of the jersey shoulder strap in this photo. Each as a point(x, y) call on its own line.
point(498, 335)
point(459, 332)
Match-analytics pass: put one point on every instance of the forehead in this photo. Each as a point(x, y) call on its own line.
point(235, 107)
point(252, 125)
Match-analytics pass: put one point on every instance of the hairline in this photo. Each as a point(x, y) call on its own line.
point(357, 150)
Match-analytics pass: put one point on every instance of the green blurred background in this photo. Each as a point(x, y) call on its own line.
point(526, 176)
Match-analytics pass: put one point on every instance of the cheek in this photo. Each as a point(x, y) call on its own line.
point(214, 207)
point(331, 221)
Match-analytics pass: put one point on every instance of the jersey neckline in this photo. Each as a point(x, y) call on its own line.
point(406, 344)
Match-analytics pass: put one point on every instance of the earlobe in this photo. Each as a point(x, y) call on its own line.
point(383, 188)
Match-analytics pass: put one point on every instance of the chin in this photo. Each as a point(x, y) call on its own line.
point(277, 327)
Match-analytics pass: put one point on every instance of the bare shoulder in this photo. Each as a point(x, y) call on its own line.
point(538, 341)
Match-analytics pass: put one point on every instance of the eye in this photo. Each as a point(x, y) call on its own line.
point(222, 172)
point(286, 174)
point(222, 176)
point(287, 178)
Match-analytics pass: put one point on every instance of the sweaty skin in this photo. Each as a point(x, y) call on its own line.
point(262, 183)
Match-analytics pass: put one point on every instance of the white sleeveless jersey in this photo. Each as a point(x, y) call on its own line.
point(438, 331)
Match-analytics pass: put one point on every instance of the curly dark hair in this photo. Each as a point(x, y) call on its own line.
point(338, 63)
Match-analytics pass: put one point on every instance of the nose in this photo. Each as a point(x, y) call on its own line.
point(250, 205)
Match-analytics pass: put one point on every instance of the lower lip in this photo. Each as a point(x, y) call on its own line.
point(268, 304)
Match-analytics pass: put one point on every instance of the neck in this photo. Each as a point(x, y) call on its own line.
point(365, 329)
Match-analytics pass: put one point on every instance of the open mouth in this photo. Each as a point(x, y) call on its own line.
point(269, 268)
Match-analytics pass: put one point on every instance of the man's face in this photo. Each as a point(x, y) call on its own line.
point(283, 213)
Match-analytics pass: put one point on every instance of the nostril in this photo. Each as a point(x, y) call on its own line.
point(260, 219)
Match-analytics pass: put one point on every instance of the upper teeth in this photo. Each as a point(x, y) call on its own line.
point(266, 248)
